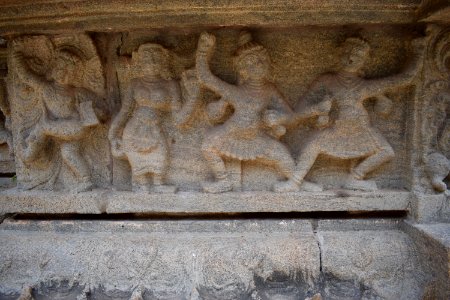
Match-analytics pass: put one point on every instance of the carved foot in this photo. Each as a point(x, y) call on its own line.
point(138, 294)
point(26, 294)
point(220, 186)
point(286, 186)
point(84, 186)
point(309, 186)
point(360, 185)
point(165, 189)
point(439, 185)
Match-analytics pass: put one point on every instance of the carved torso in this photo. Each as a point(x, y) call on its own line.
point(349, 96)
point(249, 105)
point(60, 102)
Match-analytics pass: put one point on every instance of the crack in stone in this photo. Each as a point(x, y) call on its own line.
point(314, 224)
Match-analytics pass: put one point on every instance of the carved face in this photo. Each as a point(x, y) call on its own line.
point(63, 70)
point(153, 61)
point(254, 66)
point(354, 58)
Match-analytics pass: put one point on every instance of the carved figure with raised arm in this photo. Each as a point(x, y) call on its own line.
point(350, 135)
point(68, 105)
point(259, 113)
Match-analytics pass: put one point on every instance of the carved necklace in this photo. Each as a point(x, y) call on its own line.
point(349, 80)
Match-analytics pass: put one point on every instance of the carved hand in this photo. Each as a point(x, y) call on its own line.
point(324, 107)
point(206, 43)
point(190, 83)
point(272, 118)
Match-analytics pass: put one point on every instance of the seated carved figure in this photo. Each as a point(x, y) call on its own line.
point(67, 111)
point(260, 111)
point(136, 133)
point(350, 135)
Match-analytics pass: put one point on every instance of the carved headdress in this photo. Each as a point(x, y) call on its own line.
point(246, 46)
point(143, 53)
point(355, 43)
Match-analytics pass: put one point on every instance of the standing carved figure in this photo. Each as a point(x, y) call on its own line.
point(350, 135)
point(137, 132)
point(67, 106)
point(251, 132)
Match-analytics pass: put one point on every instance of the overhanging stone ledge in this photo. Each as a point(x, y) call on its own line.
point(113, 202)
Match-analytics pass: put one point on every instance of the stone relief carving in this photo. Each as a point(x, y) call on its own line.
point(436, 125)
point(57, 86)
point(137, 132)
point(6, 157)
point(65, 111)
point(349, 134)
point(258, 120)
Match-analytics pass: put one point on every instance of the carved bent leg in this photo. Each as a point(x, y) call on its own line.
point(71, 155)
point(305, 161)
point(32, 145)
point(438, 168)
point(217, 165)
point(285, 164)
point(356, 180)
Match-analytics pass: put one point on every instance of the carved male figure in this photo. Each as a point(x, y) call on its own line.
point(68, 112)
point(251, 132)
point(350, 135)
point(137, 133)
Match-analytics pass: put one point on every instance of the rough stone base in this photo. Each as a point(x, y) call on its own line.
point(211, 259)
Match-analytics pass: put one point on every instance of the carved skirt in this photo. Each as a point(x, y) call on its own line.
point(351, 139)
point(241, 147)
point(145, 146)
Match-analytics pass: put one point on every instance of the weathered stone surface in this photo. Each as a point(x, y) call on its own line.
point(167, 260)
point(57, 15)
point(211, 259)
point(158, 145)
point(433, 245)
point(104, 201)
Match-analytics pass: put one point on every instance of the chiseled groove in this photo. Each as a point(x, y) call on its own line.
point(215, 216)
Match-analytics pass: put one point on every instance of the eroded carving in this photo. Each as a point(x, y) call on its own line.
point(137, 133)
point(348, 134)
point(253, 129)
point(58, 86)
point(436, 125)
point(5, 132)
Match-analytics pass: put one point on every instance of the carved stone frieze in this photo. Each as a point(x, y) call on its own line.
point(56, 90)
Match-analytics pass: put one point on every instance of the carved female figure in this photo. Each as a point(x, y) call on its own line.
point(143, 141)
point(243, 136)
point(351, 136)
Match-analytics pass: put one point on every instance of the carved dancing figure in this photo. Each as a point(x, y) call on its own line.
point(260, 110)
point(68, 112)
point(136, 133)
point(350, 135)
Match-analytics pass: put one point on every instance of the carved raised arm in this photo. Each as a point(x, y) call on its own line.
point(322, 108)
point(22, 70)
point(378, 86)
point(190, 92)
point(205, 76)
point(279, 111)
